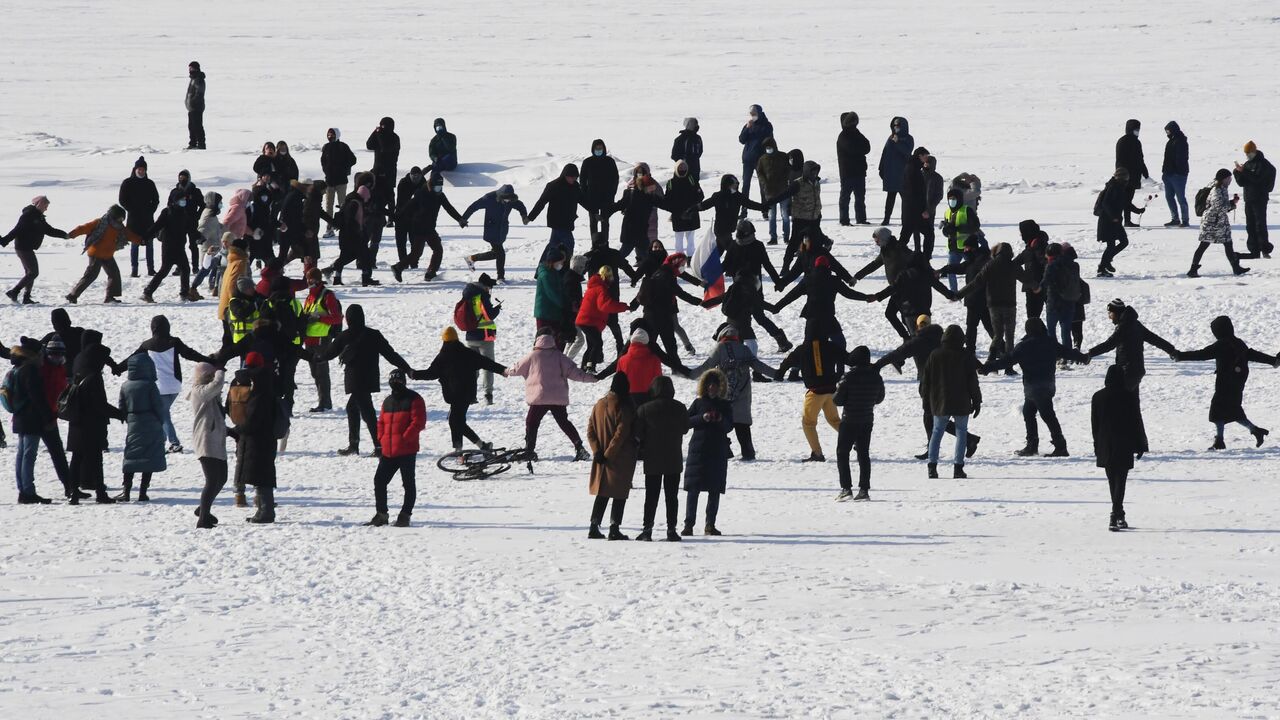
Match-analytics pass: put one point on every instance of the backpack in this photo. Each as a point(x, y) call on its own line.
point(238, 404)
point(1202, 199)
point(11, 399)
point(69, 402)
point(463, 317)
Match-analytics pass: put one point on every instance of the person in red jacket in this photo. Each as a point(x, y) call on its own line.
point(404, 416)
point(321, 321)
point(641, 364)
point(53, 378)
point(597, 307)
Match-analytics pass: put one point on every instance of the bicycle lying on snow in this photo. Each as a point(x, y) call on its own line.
point(482, 463)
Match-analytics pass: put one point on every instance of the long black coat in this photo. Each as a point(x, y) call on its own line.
point(893, 158)
point(1129, 155)
point(599, 179)
point(1231, 358)
point(455, 366)
point(852, 148)
point(1117, 423)
point(707, 467)
point(139, 198)
point(256, 445)
point(88, 431)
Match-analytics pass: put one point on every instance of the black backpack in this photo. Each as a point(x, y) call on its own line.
point(1202, 199)
point(69, 402)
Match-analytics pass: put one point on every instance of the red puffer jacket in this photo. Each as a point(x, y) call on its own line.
point(641, 367)
point(597, 305)
point(404, 416)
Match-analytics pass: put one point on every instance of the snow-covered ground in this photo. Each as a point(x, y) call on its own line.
point(1002, 595)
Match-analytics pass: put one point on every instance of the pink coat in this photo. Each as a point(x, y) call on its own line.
point(236, 220)
point(547, 373)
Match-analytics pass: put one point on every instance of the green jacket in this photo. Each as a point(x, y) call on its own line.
point(548, 297)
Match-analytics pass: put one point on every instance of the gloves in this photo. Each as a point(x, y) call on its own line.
point(977, 408)
point(1138, 455)
point(599, 457)
point(462, 224)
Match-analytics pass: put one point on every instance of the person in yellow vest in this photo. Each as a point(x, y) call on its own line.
point(102, 238)
point(959, 223)
point(322, 320)
point(485, 334)
point(242, 312)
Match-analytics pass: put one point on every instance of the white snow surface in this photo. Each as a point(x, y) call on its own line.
point(998, 596)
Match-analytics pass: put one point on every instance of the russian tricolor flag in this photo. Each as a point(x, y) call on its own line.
point(706, 265)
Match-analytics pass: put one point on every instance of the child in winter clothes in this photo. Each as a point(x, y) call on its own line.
point(403, 418)
point(211, 241)
point(209, 436)
point(858, 393)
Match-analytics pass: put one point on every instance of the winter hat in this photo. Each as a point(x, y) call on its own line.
point(55, 346)
point(507, 193)
point(244, 286)
point(921, 151)
point(1250, 147)
point(1054, 250)
point(922, 321)
point(1116, 305)
point(254, 360)
point(746, 232)
point(40, 202)
point(449, 335)
point(620, 385)
point(882, 235)
point(184, 173)
point(1218, 176)
point(314, 276)
point(860, 356)
point(691, 124)
point(204, 373)
point(578, 263)
point(141, 162)
point(640, 337)
point(682, 168)
point(953, 336)
point(822, 262)
point(1028, 229)
point(1034, 326)
point(397, 378)
point(194, 65)
point(487, 281)
point(116, 212)
point(727, 331)
point(570, 170)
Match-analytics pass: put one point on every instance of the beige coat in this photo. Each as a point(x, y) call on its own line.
point(237, 267)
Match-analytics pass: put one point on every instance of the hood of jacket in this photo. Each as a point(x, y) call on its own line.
point(355, 317)
point(1115, 378)
point(903, 127)
point(159, 327)
point(795, 158)
point(388, 124)
point(1034, 327)
point(91, 337)
point(337, 134)
point(1003, 251)
point(1129, 315)
point(727, 182)
point(1172, 127)
point(769, 143)
point(759, 111)
point(570, 170)
point(1130, 125)
point(61, 321)
point(848, 120)
point(620, 386)
point(662, 388)
point(544, 342)
point(598, 143)
point(141, 368)
point(810, 169)
point(439, 122)
point(719, 378)
point(506, 192)
point(212, 200)
point(953, 337)
point(1222, 328)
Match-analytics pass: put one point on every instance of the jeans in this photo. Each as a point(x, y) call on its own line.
point(406, 465)
point(1061, 313)
point(856, 186)
point(854, 436)
point(24, 463)
point(1175, 192)
point(212, 271)
point(691, 508)
point(561, 239)
point(170, 432)
point(134, 249)
point(783, 208)
point(940, 427)
point(953, 257)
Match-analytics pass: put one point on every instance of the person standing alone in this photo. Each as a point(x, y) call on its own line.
point(195, 106)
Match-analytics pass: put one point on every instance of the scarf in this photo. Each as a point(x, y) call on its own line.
point(95, 235)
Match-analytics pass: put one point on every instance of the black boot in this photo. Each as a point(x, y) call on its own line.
point(379, 519)
point(710, 529)
point(1059, 450)
point(1031, 450)
point(933, 471)
point(616, 534)
point(971, 445)
point(1115, 524)
point(402, 520)
point(128, 488)
point(142, 490)
point(102, 498)
point(687, 530)
point(594, 533)
point(673, 536)
point(645, 535)
point(1259, 434)
point(1194, 272)
point(957, 472)
point(350, 450)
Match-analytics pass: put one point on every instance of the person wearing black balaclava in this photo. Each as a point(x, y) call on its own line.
point(599, 180)
point(1129, 156)
point(385, 145)
point(852, 148)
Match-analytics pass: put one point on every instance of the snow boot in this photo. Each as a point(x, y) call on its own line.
point(1238, 270)
point(12, 295)
point(672, 535)
point(1218, 444)
point(687, 531)
point(862, 496)
point(102, 498)
point(402, 520)
point(784, 345)
point(379, 520)
point(1059, 450)
point(710, 529)
point(397, 272)
point(1104, 273)
point(933, 471)
point(1115, 525)
point(1194, 272)
point(844, 495)
point(616, 534)
point(349, 450)
point(645, 535)
point(1031, 450)
point(206, 523)
point(922, 456)
point(125, 495)
point(142, 491)
point(1259, 434)
point(815, 457)
point(1121, 523)
point(580, 454)
point(241, 500)
point(957, 472)
point(594, 533)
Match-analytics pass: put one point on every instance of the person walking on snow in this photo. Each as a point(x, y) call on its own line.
point(456, 367)
point(611, 434)
point(682, 198)
point(209, 437)
point(384, 143)
point(1231, 372)
point(102, 237)
point(1215, 225)
point(688, 147)
point(165, 352)
point(403, 418)
point(1129, 156)
point(1036, 353)
point(27, 236)
point(561, 197)
point(1118, 437)
point(1114, 203)
point(424, 208)
point(547, 372)
point(858, 394)
point(821, 361)
point(144, 412)
point(739, 364)
point(497, 206)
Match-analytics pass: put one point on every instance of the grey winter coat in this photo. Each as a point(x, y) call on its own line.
point(144, 417)
point(195, 92)
point(733, 358)
point(209, 434)
point(1215, 225)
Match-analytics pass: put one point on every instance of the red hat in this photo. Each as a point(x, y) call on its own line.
point(673, 258)
point(254, 360)
point(822, 262)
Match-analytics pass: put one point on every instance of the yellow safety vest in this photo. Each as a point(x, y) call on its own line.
point(240, 327)
point(315, 328)
point(959, 216)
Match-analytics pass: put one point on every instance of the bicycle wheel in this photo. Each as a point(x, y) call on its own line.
point(461, 460)
point(481, 471)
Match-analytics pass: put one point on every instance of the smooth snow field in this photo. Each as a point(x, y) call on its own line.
point(1002, 595)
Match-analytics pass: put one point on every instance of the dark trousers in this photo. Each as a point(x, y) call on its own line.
point(598, 222)
point(533, 419)
point(402, 242)
point(349, 255)
point(854, 436)
point(170, 260)
point(91, 273)
point(498, 254)
point(1116, 479)
point(748, 169)
point(594, 354)
point(616, 329)
point(458, 427)
point(691, 508)
point(743, 432)
point(320, 373)
point(1039, 399)
point(86, 470)
point(857, 187)
point(52, 439)
point(360, 407)
point(215, 478)
point(975, 315)
point(30, 271)
point(913, 227)
point(1202, 247)
point(927, 231)
point(1114, 235)
point(1035, 303)
point(417, 241)
point(407, 466)
point(892, 313)
point(768, 325)
point(615, 517)
point(889, 199)
point(1255, 225)
point(195, 128)
point(669, 486)
point(798, 229)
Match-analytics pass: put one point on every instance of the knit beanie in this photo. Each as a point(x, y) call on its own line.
point(1116, 305)
point(449, 335)
point(254, 360)
point(1250, 147)
point(922, 321)
point(640, 337)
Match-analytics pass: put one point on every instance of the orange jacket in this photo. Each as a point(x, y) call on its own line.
point(105, 248)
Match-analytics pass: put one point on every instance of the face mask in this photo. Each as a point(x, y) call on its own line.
point(439, 128)
point(733, 187)
point(952, 203)
point(1251, 155)
point(768, 151)
point(754, 116)
point(182, 203)
point(437, 188)
point(895, 129)
point(1135, 133)
point(598, 152)
point(558, 266)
